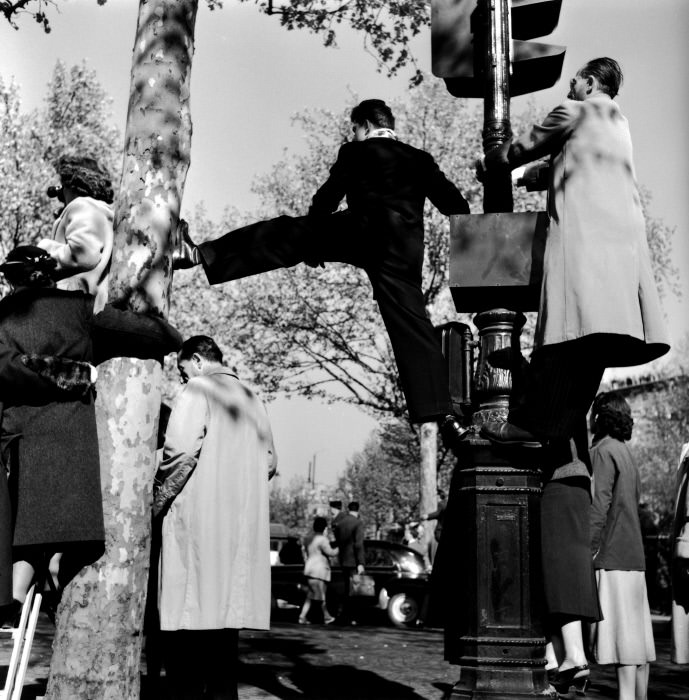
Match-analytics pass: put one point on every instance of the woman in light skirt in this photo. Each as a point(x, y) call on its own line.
point(625, 635)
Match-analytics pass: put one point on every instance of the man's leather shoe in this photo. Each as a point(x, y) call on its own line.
point(185, 253)
point(508, 434)
point(452, 432)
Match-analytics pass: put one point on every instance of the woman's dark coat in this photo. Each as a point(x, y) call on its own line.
point(53, 447)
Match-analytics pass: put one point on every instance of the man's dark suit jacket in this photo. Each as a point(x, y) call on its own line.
point(386, 183)
point(349, 537)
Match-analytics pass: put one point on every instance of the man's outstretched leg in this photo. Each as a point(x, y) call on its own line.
point(266, 245)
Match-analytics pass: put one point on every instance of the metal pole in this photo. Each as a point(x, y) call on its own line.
point(497, 131)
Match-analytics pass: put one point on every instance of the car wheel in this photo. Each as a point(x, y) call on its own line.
point(403, 610)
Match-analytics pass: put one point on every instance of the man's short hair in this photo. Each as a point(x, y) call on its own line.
point(354, 505)
point(607, 72)
point(374, 111)
point(86, 176)
point(202, 345)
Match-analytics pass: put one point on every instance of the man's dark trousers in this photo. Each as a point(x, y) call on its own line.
point(393, 264)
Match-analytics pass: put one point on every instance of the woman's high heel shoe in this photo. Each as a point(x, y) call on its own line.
point(576, 677)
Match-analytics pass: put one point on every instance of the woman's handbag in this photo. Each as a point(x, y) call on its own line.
point(362, 585)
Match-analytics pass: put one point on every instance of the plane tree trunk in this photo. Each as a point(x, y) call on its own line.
point(97, 647)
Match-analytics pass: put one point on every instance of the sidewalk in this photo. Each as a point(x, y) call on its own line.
point(367, 662)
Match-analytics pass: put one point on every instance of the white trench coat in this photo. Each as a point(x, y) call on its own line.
point(215, 558)
point(597, 269)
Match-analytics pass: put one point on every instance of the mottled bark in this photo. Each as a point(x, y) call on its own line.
point(156, 154)
point(428, 483)
point(97, 647)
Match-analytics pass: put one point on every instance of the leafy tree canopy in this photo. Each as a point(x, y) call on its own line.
point(388, 27)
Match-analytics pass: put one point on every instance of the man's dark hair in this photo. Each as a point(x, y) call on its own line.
point(374, 111)
point(611, 415)
point(353, 507)
point(202, 345)
point(319, 524)
point(86, 176)
point(607, 72)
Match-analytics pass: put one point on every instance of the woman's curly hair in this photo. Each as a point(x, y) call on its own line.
point(86, 177)
point(611, 415)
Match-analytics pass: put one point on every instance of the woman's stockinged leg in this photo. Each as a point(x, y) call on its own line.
point(305, 610)
point(573, 642)
point(22, 576)
point(626, 682)
point(642, 671)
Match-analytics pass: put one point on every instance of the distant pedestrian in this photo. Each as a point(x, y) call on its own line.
point(212, 492)
point(416, 540)
point(349, 539)
point(624, 637)
point(317, 571)
point(680, 563)
point(438, 515)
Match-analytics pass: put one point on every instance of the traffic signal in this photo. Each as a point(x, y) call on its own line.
point(458, 42)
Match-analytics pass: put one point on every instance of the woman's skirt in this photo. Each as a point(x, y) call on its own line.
point(625, 634)
point(568, 579)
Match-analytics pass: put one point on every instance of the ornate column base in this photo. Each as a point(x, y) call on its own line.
point(499, 360)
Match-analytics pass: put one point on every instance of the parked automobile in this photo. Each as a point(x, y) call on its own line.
point(401, 583)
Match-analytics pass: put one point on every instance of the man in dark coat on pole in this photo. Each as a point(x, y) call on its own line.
point(385, 182)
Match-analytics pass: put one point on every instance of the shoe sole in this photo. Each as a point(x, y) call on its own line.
point(512, 443)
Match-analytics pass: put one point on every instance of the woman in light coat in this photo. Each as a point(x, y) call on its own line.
point(317, 570)
point(82, 236)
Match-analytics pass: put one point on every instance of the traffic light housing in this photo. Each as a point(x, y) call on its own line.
point(458, 43)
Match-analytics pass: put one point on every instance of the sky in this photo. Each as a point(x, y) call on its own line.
point(250, 76)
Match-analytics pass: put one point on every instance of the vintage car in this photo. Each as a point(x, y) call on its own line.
point(401, 583)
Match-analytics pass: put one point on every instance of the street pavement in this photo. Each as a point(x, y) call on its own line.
point(372, 661)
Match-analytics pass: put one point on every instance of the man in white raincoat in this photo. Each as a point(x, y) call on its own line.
point(212, 492)
point(599, 305)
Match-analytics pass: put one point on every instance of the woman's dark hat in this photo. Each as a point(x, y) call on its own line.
point(336, 504)
point(27, 256)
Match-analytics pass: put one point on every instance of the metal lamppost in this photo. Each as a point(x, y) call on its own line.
point(491, 533)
